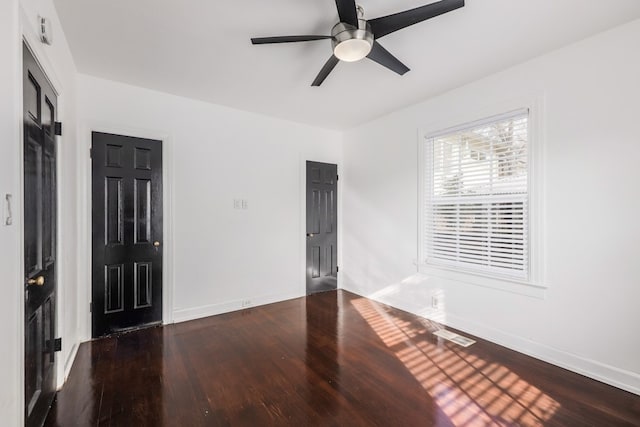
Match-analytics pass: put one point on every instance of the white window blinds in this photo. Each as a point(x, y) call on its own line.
point(476, 196)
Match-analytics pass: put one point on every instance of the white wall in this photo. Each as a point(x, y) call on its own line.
point(587, 318)
point(10, 259)
point(221, 256)
point(18, 19)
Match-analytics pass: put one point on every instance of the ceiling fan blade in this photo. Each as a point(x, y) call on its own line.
point(328, 67)
point(390, 23)
point(286, 39)
point(347, 11)
point(384, 58)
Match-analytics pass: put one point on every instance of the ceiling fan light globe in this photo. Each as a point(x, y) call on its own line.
point(351, 44)
point(352, 50)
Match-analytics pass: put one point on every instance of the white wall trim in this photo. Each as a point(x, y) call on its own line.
point(302, 223)
point(505, 284)
point(31, 38)
point(620, 378)
point(537, 282)
point(194, 313)
point(84, 244)
point(68, 364)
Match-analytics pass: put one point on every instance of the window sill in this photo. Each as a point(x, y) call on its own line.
point(506, 284)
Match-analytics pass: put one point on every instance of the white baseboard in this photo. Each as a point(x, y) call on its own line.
point(187, 314)
point(68, 364)
point(620, 378)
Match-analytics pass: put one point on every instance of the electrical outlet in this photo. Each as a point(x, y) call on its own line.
point(246, 303)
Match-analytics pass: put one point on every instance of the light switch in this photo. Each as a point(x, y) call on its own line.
point(8, 220)
point(237, 204)
point(245, 204)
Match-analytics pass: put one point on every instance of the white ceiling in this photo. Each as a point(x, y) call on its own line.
point(201, 49)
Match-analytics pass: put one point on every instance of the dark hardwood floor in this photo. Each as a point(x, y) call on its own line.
point(333, 359)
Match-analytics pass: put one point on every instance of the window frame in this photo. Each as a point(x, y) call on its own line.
point(534, 285)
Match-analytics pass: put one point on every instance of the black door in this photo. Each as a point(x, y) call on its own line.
point(127, 233)
point(322, 236)
point(39, 115)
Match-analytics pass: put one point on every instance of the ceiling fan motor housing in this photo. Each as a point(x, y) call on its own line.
point(351, 44)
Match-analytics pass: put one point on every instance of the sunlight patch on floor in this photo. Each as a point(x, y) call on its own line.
point(469, 390)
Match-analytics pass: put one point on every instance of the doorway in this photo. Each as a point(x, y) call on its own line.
point(40, 107)
point(322, 230)
point(127, 233)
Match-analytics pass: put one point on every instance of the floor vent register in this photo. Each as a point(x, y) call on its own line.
point(453, 337)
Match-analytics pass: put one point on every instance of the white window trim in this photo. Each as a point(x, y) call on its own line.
point(535, 285)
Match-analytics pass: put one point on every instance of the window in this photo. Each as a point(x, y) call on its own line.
point(476, 196)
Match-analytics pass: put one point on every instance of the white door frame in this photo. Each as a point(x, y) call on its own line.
point(29, 37)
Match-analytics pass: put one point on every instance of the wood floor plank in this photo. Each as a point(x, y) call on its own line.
point(332, 359)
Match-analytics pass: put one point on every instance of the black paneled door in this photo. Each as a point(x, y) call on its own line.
point(322, 235)
point(127, 233)
point(39, 115)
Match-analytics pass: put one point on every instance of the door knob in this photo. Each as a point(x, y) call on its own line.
point(38, 281)
point(309, 234)
point(156, 243)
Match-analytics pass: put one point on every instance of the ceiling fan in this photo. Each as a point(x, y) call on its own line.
point(354, 38)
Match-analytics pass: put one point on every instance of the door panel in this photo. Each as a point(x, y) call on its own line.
point(142, 284)
point(322, 215)
point(142, 213)
point(33, 205)
point(49, 208)
point(127, 233)
point(39, 115)
point(114, 229)
point(114, 288)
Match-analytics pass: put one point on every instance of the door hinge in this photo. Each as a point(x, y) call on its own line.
point(57, 128)
point(57, 345)
point(90, 307)
point(91, 153)
point(337, 268)
point(337, 177)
